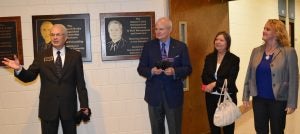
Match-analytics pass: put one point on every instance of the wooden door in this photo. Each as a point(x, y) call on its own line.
point(203, 19)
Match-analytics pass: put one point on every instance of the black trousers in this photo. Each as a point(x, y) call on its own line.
point(269, 111)
point(211, 105)
point(51, 127)
point(158, 114)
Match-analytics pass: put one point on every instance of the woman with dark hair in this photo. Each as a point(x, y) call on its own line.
point(219, 65)
point(272, 79)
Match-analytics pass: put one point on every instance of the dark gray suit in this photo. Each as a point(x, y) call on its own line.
point(58, 96)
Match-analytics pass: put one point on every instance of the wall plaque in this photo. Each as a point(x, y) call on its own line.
point(78, 26)
point(11, 38)
point(123, 34)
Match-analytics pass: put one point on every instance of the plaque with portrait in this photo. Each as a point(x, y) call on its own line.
point(11, 38)
point(78, 28)
point(123, 34)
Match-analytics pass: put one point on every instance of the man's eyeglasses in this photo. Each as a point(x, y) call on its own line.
point(58, 35)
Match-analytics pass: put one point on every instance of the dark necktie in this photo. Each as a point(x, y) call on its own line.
point(163, 51)
point(58, 64)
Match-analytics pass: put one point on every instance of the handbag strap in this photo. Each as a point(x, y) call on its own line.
point(224, 92)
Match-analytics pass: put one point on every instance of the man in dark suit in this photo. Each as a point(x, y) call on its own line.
point(165, 63)
point(62, 78)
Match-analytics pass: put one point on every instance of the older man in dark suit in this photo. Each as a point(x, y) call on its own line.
point(62, 78)
point(165, 63)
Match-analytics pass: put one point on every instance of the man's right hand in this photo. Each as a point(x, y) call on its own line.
point(14, 64)
point(156, 71)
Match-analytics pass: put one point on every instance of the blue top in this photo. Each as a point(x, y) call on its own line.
point(264, 78)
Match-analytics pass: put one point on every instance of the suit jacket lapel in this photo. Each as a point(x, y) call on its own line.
point(48, 54)
point(156, 50)
point(172, 49)
point(67, 61)
point(276, 52)
point(214, 63)
point(258, 56)
point(223, 62)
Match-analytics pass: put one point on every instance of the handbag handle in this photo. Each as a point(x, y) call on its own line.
point(224, 92)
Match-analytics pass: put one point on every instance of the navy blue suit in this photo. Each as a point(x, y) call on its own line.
point(164, 94)
point(173, 86)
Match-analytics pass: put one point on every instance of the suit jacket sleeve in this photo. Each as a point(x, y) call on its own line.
point(246, 92)
point(207, 75)
point(32, 72)
point(293, 77)
point(81, 87)
point(144, 68)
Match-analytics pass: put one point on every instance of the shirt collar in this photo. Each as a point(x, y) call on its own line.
point(62, 51)
point(167, 42)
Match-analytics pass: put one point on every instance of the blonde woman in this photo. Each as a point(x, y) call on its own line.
point(272, 80)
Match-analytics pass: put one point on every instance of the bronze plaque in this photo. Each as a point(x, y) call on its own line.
point(123, 34)
point(78, 26)
point(11, 38)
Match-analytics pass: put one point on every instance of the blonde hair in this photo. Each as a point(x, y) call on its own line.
point(278, 26)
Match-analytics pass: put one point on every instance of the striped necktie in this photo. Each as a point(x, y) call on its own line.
point(58, 64)
point(163, 51)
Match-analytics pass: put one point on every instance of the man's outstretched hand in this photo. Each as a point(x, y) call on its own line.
point(14, 64)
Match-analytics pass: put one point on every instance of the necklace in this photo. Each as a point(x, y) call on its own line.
point(267, 57)
point(268, 53)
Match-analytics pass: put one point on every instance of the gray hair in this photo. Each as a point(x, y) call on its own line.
point(62, 27)
point(166, 20)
